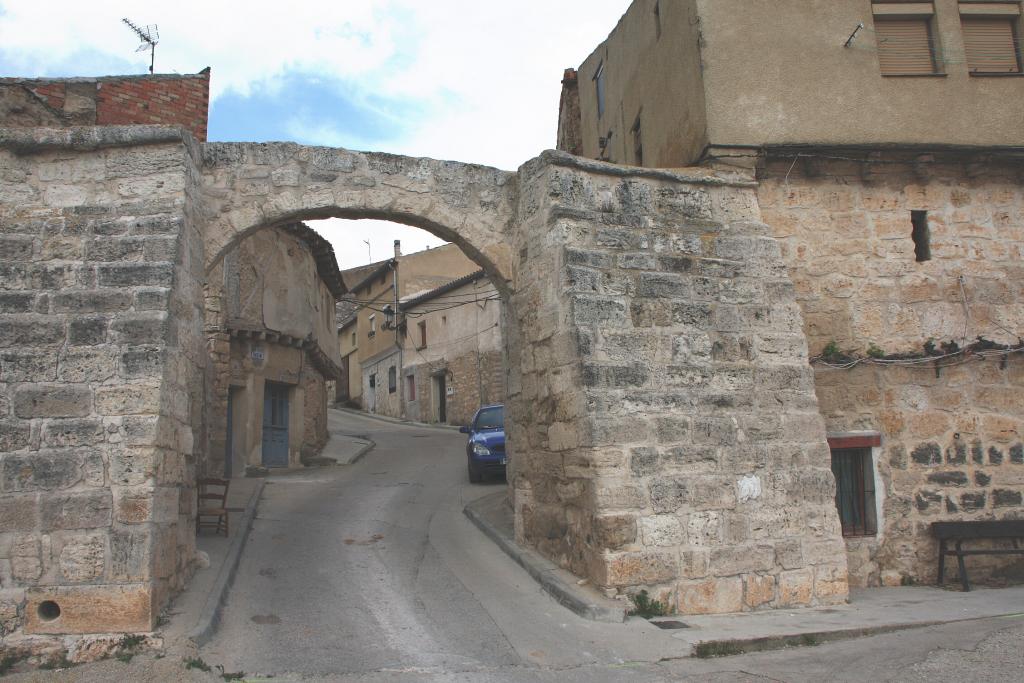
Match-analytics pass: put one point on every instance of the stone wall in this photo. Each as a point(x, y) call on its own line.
point(100, 383)
point(664, 425)
point(951, 429)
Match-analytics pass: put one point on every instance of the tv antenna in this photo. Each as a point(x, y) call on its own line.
point(149, 36)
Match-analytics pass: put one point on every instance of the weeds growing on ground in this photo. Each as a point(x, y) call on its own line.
point(6, 663)
point(196, 663)
point(61, 662)
point(644, 607)
point(720, 648)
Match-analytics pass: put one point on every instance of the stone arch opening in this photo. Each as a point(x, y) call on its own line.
point(271, 298)
point(499, 276)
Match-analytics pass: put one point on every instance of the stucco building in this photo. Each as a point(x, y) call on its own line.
point(888, 146)
point(378, 338)
point(452, 348)
point(270, 307)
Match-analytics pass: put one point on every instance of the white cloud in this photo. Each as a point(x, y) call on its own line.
point(485, 76)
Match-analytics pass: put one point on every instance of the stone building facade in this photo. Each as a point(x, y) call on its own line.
point(662, 424)
point(901, 231)
point(270, 307)
point(453, 351)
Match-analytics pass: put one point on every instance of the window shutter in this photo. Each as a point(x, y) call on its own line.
point(990, 45)
point(905, 45)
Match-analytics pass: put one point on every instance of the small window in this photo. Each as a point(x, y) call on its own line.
point(906, 44)
point(423, 334)
point(373, 326)
point(410, 385)
point(991, 44)
point(599, 87)
point(638, 143)
point(353, 339)
point(392, 380)
point(657, 20)
point(444, 320)
point(855, 490)
point(921, 236)
point(373, 381)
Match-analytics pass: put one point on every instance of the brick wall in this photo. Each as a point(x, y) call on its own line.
point(122, 100)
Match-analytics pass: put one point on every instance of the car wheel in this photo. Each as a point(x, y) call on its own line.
point(475, 477)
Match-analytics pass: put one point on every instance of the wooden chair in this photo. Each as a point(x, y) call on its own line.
point(213, 505)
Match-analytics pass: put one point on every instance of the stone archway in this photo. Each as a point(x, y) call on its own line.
point(248, 186)
point(662, 423)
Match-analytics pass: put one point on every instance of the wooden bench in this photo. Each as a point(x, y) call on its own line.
point(958, 533)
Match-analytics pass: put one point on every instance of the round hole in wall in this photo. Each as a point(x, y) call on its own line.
point(48, 610)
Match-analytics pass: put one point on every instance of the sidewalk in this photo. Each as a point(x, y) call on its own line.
point(195, 611)
point(343, 447)
point(870, 611)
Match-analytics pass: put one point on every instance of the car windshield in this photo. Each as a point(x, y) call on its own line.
point(491, 418)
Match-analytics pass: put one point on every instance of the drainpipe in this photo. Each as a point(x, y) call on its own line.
point(399, 376)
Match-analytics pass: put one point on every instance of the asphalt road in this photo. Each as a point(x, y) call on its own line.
point(373, 568)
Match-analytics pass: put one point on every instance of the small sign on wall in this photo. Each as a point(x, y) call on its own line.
point(449, 390)
point(258, 355)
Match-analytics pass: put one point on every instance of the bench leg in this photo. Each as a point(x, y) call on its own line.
point(942, 562)
point(963, 569)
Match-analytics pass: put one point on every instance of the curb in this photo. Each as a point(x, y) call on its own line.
point(395, 420)
point(209, 618)
point(544, 572)
point(707, 649)
point(362, 451)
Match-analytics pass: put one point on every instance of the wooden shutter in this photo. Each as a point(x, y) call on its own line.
point(990, 45)
point(905, 45)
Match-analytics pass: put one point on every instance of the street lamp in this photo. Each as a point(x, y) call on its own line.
point(389, 317)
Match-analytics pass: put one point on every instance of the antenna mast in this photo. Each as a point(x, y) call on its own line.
point(149, 36)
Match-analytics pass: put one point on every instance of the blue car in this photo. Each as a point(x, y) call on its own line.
point(485, 448)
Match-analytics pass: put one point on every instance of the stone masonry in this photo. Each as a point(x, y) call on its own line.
point(663, 429)
point(951, 429)
point(100, 360)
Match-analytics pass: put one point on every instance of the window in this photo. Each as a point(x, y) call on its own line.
point(373, 381)
point(392, 380)
point(373, 326)
point(410, 386)
point(638, 143)
point(991, 37)
point(422, 327)
point(921, 236)
point(353, 340)
point(657, 20)
point(906, 44)
point(855, 490)
point(599, 87)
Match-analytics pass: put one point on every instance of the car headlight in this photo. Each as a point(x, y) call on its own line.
point(480, 449)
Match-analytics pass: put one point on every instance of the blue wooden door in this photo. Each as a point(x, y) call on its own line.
point(275, 425)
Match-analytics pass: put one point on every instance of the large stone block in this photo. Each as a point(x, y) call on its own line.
point(711, 596)
point(126, 608)
point(644, 568)
point(76, 511)
point(56, 400)
point(51, 469)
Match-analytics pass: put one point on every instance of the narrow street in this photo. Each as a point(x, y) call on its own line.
point(374, 568)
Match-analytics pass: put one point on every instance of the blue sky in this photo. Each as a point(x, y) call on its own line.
point(450, 79)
